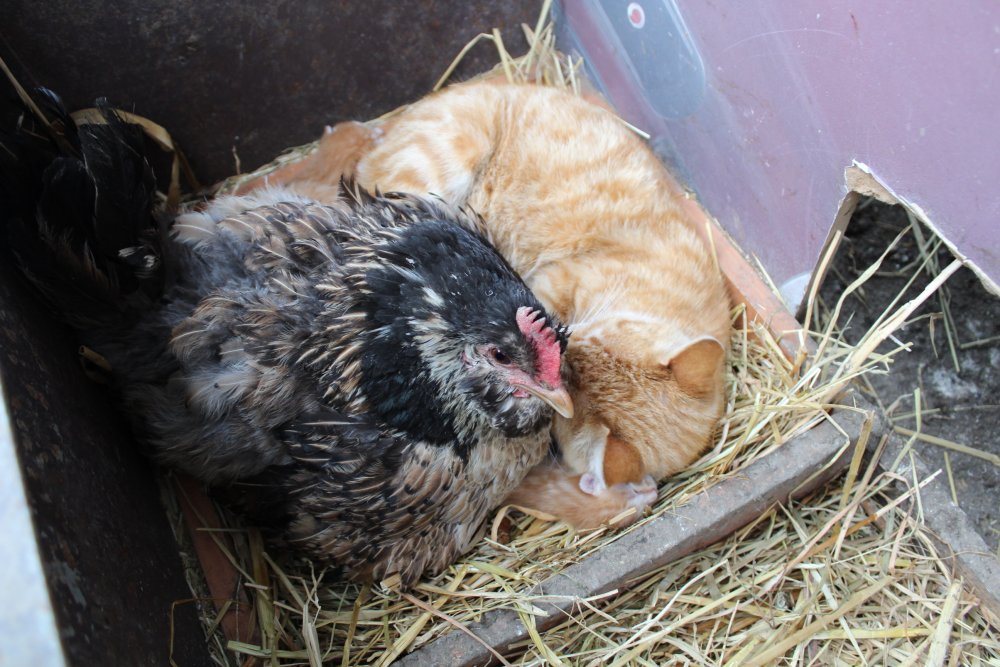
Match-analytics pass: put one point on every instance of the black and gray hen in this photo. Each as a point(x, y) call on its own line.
point(366, 380)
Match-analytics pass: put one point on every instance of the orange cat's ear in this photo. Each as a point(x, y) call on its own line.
point(622, 462)
point(696, 367)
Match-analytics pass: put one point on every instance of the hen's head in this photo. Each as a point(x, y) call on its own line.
point(452, 341)
point(514, 373)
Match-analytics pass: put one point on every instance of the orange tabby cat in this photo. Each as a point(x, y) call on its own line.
point(581, 208)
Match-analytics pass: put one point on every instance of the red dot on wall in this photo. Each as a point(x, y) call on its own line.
point(636, 15)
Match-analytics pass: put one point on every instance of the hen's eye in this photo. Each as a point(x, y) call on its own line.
point(498, 356)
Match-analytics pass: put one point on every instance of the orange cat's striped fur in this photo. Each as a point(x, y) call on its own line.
point(581, 208)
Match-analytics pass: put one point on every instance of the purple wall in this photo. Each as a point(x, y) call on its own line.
point(795, 92)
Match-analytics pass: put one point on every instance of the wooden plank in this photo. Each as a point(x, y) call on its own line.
point(959, 544)
point(223, 580)
point(746, 286)
point(798, 467)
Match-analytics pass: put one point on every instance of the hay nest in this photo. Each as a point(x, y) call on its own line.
point(846, 576)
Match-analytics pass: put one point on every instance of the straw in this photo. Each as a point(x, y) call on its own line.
point(822, 580)
point(846, 576)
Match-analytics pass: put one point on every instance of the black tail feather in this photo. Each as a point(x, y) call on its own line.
point(115, 155)
point(77, 210)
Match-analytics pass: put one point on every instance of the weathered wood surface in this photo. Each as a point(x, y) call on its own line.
point(796, 468)
point(959, 544)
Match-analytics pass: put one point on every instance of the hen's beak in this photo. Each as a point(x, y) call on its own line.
point(558, 398)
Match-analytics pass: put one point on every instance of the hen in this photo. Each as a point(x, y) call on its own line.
point(367, 380)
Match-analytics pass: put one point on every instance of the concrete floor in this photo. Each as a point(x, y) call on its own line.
point(960, 403)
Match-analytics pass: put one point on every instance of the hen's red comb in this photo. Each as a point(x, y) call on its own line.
point(543, 338)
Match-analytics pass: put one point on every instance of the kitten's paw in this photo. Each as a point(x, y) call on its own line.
point(630, 498)
point(610, 501)
point(643, 494)
point(610, 506)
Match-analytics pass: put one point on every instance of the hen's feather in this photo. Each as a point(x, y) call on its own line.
point(328, 368)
